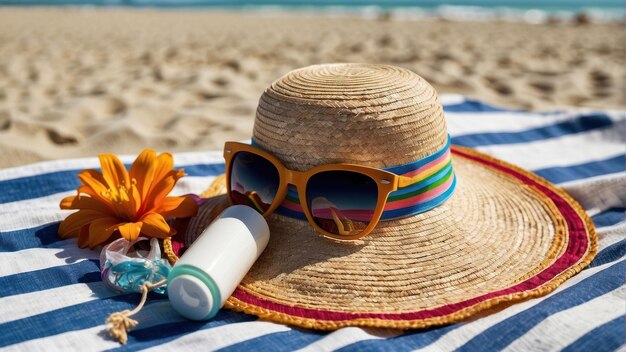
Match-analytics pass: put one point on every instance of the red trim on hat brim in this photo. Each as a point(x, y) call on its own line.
point(577, 246)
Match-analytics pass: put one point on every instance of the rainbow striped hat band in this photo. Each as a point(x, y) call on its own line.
point(433, 183)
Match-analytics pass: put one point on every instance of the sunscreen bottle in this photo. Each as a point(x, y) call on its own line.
point(210, 270)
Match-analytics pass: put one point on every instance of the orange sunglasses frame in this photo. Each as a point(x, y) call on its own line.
point(387, 182)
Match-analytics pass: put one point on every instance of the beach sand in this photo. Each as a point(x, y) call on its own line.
point(78, 82)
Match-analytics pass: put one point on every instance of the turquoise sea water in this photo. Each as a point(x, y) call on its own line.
point(472, 9)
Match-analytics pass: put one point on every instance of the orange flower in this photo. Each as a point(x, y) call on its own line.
point(116, 201)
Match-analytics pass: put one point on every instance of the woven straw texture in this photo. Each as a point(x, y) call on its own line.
point(372, 115)
point(504, 235)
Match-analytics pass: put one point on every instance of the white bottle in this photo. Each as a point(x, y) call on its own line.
point(210, 270)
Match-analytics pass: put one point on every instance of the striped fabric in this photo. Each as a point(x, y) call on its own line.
point(52, 297)
point(432, 182)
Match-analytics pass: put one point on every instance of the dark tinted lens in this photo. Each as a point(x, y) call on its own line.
point(342, 202)
point(253, 181)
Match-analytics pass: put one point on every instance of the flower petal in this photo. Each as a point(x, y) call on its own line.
point(70, 226)
point(93, 180)
point(135, 199)
point(113, 171)
point(162, 168)
point(130, 230)
point(142, 171)
point(164, 164)
point(101, 229)
point(154, 225)
point(178, 207)
point(83, 237)
point(86, 202)
point(159, 191)
point(66, 203)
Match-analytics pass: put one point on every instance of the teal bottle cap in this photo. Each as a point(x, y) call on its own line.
point(193, 294)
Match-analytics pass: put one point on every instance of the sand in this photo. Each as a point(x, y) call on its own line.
point(78, 82)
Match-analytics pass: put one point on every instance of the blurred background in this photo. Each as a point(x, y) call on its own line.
point(78, 78)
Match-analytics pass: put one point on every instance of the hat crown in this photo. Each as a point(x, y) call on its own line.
point(373, 115)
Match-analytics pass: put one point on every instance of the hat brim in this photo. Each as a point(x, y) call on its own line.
point(505, 235)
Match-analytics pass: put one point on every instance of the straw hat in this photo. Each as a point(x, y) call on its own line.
point(504, 235)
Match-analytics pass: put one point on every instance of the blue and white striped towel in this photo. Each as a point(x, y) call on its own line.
point(51, 296)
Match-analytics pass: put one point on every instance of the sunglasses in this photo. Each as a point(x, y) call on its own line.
point(340, 201)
